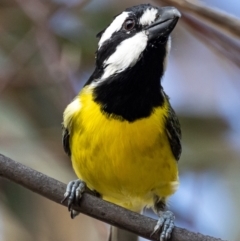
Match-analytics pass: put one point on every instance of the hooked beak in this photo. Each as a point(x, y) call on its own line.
point(163, 26)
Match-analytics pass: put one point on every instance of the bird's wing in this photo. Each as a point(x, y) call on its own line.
point(69, 113)
point(173, 130)
point(65, 140)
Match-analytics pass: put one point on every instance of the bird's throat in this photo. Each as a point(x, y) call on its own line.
point(133, 93)
point(128, 99)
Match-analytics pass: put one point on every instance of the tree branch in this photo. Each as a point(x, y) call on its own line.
point(90, 205)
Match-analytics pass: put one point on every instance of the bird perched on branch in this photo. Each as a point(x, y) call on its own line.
point(120, 131)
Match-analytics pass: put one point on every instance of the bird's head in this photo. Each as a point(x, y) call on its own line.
point(139, 33)
point(130, 61)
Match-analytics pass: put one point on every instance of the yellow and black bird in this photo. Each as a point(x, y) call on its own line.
point(120, 131)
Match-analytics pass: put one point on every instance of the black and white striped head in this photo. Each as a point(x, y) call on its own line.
point(136, 33)
point(130, 61)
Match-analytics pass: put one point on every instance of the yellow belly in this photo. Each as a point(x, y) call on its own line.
point(127, 163)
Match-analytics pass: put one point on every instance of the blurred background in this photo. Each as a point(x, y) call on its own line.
point(47, 53)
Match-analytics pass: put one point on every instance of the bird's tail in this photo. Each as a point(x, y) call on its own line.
point(117, 234)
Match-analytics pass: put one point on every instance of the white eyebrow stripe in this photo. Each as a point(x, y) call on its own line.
point(126, 55)
point(115, 26)
point(148, 16)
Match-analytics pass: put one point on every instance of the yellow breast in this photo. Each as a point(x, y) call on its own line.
point(127, 163)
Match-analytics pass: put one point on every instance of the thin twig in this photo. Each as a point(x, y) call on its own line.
point(39, 14)
point(213, 16)
point(90, 205)
point(219, 42)
point(218, 30)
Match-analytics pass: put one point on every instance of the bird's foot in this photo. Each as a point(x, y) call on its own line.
point(73, 194)
point(165, 224)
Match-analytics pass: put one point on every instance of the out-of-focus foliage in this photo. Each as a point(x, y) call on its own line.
point(47, 53)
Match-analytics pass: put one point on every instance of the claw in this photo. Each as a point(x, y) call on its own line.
point(166, 224)
point(73, 193)
point(65, 197)
point(73, 213)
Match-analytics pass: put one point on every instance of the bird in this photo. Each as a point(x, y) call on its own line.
point(120, 131)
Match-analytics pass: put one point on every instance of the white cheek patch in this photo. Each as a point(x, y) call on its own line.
point(115, 26)
point(126, 55)
point(148, 16)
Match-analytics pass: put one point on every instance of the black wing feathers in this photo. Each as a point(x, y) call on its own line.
point(174, 132)
point(65, 141)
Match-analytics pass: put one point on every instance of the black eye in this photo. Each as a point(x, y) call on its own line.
point(129, 24)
